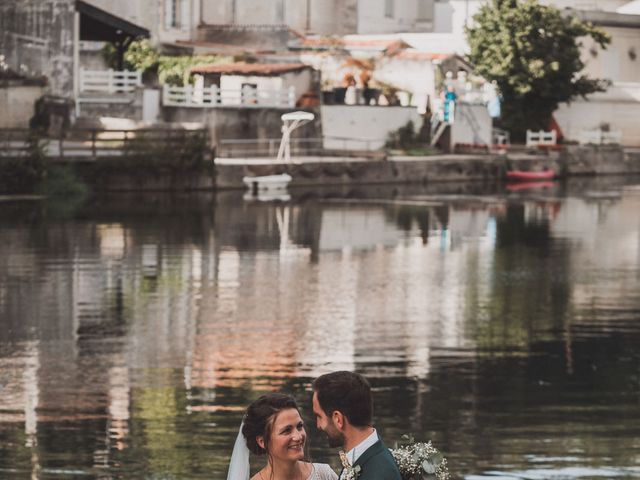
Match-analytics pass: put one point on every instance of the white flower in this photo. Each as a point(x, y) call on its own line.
point(416, 460)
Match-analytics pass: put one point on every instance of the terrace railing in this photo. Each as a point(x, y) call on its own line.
point(317, 147)
point(92, 144)
point(213, 97)
point(109, 81)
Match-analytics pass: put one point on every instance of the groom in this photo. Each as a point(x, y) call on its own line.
point(343, 408)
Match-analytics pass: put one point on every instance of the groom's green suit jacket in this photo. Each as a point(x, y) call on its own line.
point(377, 463)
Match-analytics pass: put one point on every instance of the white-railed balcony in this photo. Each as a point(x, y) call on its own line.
point(109, 81)
point(214, 97)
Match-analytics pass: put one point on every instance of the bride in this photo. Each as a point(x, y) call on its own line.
point(272, 426)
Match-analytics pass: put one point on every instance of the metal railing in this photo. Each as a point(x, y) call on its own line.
point(109, 81)
point(212, 97)
point(599, 137)
point(268, 147)
point(90, 144)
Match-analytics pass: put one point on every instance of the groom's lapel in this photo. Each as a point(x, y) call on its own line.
point(370, 452)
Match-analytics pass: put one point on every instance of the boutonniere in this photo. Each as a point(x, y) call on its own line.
point(350, 472)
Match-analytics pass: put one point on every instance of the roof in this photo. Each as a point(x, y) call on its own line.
point(258, 69)
point(99, 25)
point(420, 56)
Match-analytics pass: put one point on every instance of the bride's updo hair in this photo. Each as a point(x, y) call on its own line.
point(258, 421)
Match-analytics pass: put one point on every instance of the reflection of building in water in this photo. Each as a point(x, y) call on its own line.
point(603, 241)
point(264, 319)
point(356, 228)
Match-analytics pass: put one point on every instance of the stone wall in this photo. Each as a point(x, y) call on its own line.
point(17, 104)
point(346, 171)
point(36, 39)
point(600, 160)
point(573, 162)
point(241, 123)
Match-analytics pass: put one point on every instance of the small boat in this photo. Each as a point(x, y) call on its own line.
point(274, 187)
point(267, 183)
point(522, 175)
point(522, 185)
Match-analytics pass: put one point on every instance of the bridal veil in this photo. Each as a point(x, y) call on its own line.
point(239, 464)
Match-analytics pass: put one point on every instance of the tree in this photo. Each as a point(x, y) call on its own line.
point(533, 54)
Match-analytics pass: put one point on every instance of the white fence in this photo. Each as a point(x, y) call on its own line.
point(109, 81)
point(212, 97)
point(541, 138)
point(598, 137)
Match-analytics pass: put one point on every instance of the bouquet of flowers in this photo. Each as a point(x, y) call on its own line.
point(418, 461)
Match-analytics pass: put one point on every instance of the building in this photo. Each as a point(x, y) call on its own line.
point(618, 109)
point(42, 39)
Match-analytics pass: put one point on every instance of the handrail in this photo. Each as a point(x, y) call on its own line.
point(214, 97)
point(110, 81)
point(91, 142)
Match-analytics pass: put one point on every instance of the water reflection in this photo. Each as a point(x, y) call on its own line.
point(503, 326)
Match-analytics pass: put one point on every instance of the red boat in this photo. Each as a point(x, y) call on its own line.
point(522, 175)
point(521, 185)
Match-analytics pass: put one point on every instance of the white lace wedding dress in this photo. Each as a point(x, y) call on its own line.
point(322, 471)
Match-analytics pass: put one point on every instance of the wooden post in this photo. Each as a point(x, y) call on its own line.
point(93, 144)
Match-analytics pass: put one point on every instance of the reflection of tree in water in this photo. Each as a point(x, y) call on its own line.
point(530, 292)
point(408, 217)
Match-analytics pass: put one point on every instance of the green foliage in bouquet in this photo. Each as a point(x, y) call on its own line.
point(418, 460)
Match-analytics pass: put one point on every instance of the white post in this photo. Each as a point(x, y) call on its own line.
point(110, 86)
point(215, 95)
point(165, 94)
point(138, 78)
point(77, 78)
point(189, 94)
point(243, 95)
point(81, 79)
point(292, 96)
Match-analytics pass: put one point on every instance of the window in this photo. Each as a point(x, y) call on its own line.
point(176, 14)
point(170, 14)
point(389, 8)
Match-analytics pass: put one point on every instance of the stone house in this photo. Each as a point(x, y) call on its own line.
point(42, 39)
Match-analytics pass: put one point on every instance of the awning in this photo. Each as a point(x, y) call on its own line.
point(101, 26)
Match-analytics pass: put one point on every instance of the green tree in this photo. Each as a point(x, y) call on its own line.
point(171, 69)
point(533, 53)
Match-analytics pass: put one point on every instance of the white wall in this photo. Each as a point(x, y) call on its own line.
point(407, 16)
point(415, 76)
point(614, 63)
point(369, 124)
point(302, 82)
point(17, 105)
point(251, 12)
point(590, 115)
point(454, 15)
point(472, 125)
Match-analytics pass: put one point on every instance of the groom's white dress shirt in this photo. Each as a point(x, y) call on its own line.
point(355, 452)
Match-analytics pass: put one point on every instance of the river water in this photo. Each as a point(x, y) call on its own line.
point(502, 324)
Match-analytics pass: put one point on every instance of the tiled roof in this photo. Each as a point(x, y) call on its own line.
point(419, 55)
point(250, 68)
